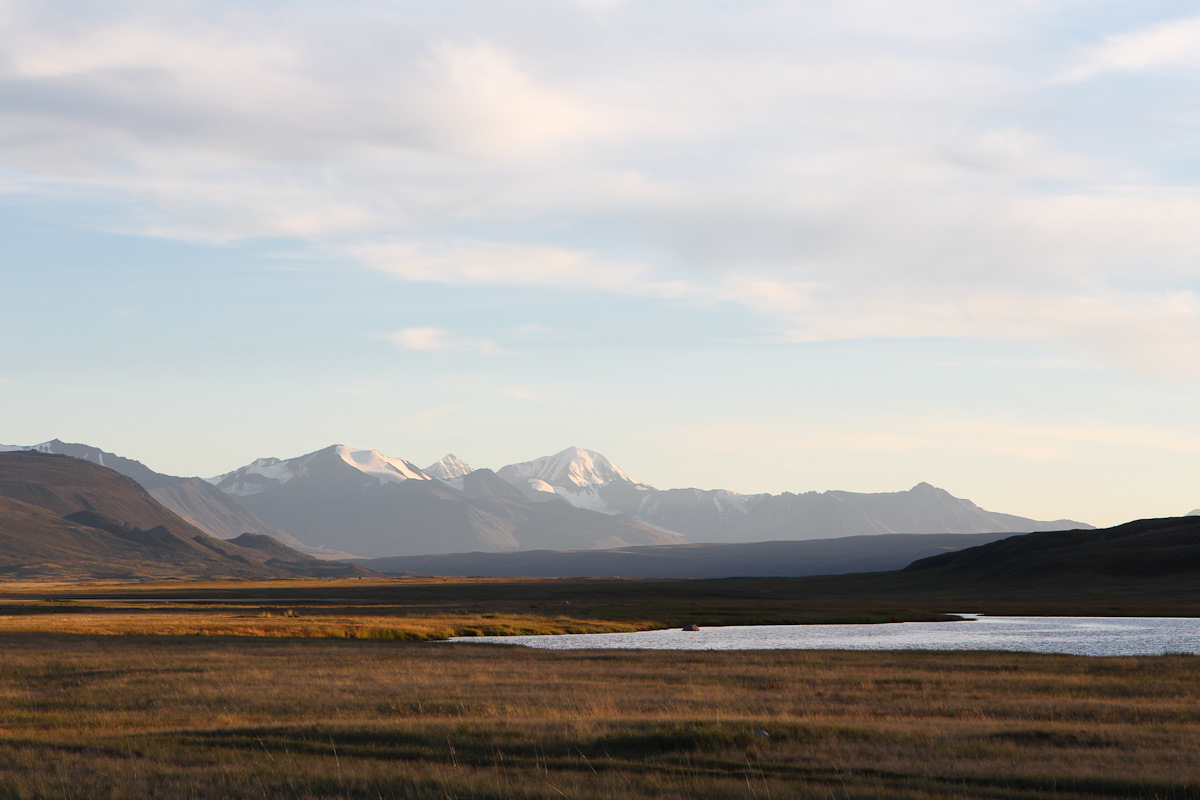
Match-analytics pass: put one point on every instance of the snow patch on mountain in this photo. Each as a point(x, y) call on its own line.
point(449, 468)
point(729, 502)
point(573, 467)
point(257, 476)
point(376, 464)
point(586, 497)
point(268, 470)
point(95, 455)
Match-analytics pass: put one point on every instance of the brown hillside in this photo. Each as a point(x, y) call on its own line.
point(63, 517)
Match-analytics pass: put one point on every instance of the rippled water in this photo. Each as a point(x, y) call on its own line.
point(1089, 636)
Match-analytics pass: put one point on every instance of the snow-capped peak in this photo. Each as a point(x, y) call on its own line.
point(375, 463)
point(574, 467)
point(265, 473)
point(256, 476)
point(449, 468)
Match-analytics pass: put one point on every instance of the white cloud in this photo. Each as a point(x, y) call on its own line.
point(858, 169)
point(484, 103)
point(435, 340)
point(503, 263)
point(1172, 45)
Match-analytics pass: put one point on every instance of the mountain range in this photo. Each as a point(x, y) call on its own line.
point(589, 480)
point(365, 503)
point(66, 518)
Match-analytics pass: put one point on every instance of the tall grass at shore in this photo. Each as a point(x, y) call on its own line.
point(186, 717)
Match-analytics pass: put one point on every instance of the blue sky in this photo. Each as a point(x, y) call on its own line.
point(761, 246)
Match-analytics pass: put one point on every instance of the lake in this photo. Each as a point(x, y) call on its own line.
point(1087, 636)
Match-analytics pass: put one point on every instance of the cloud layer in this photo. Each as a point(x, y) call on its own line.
point(844, 170)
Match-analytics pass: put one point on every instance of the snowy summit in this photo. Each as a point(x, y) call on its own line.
point(265, 473)
point(449, 468)
point(573, 468)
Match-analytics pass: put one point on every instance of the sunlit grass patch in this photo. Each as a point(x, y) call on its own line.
point(224, 622)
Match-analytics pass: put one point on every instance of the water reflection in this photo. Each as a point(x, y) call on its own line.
point(1089, 636)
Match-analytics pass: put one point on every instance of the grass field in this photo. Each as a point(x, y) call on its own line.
point(325, 689)
point(411, 608)
point(188, 717)
point(437, 608)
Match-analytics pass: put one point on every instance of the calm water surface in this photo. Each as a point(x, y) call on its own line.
point(1088, 636)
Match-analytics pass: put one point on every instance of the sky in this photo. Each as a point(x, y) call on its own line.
point(758, 246)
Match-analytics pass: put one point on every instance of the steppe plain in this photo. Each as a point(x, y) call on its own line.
point(331, 689)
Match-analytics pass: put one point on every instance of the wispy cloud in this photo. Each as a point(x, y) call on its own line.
point(437, 340)
point(1173, 45)
point(506, 263)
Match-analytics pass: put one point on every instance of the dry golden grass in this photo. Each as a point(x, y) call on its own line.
point(175, 717)
point(350, 609)
point(282, 694)
point(419, 607)
point(216, 621)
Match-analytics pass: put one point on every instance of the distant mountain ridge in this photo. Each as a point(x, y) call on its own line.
point(587, 479)
point(376, 502)
point(374, 505)
point(353, 500)
point(194, 499)
point(63, 517)
point(265, 474)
